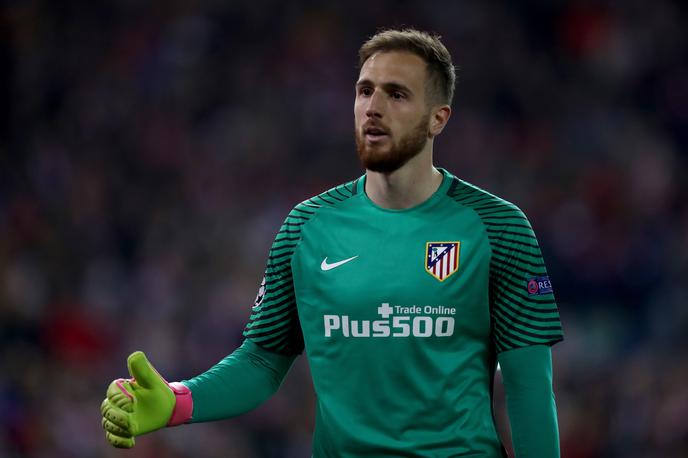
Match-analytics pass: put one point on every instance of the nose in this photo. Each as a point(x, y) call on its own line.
point(374, 109)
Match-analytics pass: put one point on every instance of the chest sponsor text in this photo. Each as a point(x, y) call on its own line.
point(395, 321)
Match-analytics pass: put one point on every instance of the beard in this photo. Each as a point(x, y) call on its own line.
point(389, 158)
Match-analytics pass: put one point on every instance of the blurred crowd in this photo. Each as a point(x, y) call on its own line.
point(150, 150)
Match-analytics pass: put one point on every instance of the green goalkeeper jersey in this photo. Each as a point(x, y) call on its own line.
point(402, 314)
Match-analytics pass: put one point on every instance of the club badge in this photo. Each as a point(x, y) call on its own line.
point(442, 259)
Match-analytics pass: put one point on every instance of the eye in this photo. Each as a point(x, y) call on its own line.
point(365, 91)
point(398, 95)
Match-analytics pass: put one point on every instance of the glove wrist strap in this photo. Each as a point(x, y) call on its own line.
point(183, 407)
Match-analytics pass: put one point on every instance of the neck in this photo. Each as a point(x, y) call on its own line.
point(410, 185)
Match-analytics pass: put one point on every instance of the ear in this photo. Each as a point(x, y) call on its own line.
point(438, 119)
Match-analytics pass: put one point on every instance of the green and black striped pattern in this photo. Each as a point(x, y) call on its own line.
point(274, 323)
point(518, 318)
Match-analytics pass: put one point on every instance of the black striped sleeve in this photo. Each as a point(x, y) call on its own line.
point(522, 305)
point(523, 308)
point(274, 323)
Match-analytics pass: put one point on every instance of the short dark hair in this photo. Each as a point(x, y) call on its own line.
point(441, 72)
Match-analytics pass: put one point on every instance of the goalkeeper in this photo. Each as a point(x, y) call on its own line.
point(404, 288)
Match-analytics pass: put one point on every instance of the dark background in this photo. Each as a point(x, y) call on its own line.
point(150, 150)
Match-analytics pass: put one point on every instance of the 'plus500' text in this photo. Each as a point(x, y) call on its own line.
point(398, 326)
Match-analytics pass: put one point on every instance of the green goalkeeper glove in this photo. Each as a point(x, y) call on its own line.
point(142, 404)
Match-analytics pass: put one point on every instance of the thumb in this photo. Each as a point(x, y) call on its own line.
point(143, 371)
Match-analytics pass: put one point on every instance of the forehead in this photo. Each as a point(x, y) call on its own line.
point(395, 66)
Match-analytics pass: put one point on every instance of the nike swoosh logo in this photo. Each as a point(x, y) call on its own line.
point(326, 266)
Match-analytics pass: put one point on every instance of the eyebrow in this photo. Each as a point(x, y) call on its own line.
point(389, 86)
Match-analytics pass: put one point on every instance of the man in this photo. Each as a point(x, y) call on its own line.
point(405, 287)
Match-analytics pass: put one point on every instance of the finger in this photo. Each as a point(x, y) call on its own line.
point(114, 429)
point(142, 370)
point(120, 442)
point(119, 394)
point(115, 415)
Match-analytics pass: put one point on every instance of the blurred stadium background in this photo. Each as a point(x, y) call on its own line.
point(150, 150)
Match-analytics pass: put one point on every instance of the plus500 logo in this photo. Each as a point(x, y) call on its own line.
point(397, 326)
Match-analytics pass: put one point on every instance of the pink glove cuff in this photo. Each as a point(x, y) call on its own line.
point(183, 408)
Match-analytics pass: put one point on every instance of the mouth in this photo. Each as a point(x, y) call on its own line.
point(375, 134)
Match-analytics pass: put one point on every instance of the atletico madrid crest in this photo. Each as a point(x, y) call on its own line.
point(442, 259)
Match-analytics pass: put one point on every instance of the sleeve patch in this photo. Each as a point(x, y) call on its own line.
point(259, 297)
point(538, 286)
